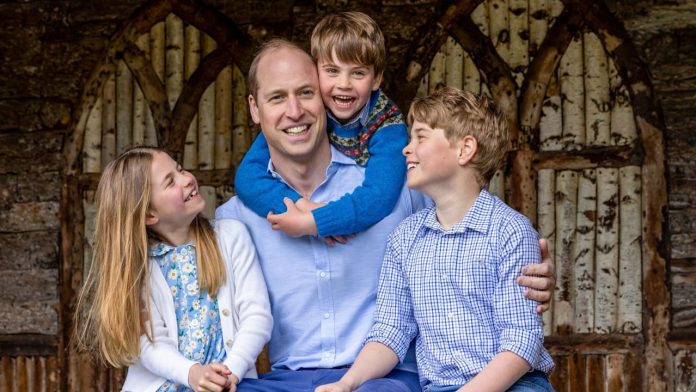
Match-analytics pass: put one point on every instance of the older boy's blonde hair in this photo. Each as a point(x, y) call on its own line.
point(353, 36)
point(461, 113)
point(113, 305)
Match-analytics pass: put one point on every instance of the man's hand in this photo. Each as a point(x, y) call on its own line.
point(294, 222)
point(337, 386)
point(209, 378)
point(541, 278)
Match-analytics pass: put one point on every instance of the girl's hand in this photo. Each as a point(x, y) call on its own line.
point(234, 380)
point(213, 377)
point(337, 386)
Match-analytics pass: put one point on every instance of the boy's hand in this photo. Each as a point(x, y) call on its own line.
point(341, 239)
point(212, 377)
point(294, 222)
point(541, 278)
point(337, 386)
point(307, 205)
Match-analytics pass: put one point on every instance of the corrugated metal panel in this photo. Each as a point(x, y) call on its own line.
point(30, 374)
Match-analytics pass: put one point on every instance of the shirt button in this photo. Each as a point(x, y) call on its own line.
point(450, 314)
point(444, 276)
point(228, 343)
point(327, 315)
point(323, 274)
point(225, 312)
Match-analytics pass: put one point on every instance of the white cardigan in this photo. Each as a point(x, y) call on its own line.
point(245, 315)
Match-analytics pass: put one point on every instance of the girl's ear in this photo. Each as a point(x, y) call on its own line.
point(150, 218)
point(466, 148)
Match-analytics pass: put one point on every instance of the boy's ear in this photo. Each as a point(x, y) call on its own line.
point(254, 109)
point(466, 148)
point(150, 218)
point(377, 82)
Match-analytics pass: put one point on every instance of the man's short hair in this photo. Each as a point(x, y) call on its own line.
point(460, 113)
point(353, 36)
point(268, 46)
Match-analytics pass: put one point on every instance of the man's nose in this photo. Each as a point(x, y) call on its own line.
point(294, 109)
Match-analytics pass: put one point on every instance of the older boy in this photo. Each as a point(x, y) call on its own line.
point(364, 125)
point(448, 276)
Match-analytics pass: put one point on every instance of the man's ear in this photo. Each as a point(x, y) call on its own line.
point(150, 218)
point(254, 109)
point(466, 148)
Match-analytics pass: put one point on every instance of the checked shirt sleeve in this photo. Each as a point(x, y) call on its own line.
point(515, 316)
point(395, 325)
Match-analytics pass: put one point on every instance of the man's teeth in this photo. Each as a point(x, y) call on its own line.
point(411, 165)
point(297, 130)
point(194, 193)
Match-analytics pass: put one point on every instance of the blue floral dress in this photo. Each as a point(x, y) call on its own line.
point(197, 316)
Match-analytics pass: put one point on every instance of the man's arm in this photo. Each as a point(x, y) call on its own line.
point(541, 278)
point(374, 361)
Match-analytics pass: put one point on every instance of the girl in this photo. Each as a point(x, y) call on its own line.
point(163, 297)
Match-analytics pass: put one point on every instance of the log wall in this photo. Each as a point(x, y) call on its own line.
point(50, 50)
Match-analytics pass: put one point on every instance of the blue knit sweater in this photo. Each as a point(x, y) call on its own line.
point(385, 171)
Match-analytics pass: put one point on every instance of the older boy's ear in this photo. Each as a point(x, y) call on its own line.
point(254, 109)
point(466, 148)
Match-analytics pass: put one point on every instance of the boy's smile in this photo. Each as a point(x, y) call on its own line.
point(346, 87)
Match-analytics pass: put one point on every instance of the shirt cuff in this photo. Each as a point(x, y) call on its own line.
point(526, 344)
point(390, 337)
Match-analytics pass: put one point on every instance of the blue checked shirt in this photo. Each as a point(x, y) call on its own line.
point(455, 292)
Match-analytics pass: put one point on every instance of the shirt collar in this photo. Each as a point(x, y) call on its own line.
point(160, 249)
point(337, 159)
point(477, 218)
point(361, 117)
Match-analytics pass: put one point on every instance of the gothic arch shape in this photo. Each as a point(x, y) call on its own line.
point(234, 47)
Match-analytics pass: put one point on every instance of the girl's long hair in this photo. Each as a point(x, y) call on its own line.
point(113, 309)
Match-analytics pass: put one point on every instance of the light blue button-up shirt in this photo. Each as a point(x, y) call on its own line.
point(322, 298)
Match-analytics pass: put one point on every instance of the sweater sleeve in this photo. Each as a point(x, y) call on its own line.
point(256, 186)
point(369, 203)
point(161, 356)
point(250, 296)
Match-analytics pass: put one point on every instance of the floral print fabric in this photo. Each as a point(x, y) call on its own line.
point(198, 320)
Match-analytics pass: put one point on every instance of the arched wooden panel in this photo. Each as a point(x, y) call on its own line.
point(577, 170)
point(171, 77)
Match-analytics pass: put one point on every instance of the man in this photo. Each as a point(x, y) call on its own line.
point(322, 298)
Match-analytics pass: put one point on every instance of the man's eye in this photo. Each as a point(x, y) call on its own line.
point(307, 93)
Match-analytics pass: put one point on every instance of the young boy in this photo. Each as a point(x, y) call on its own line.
point(363, 124)
point(448, 276)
